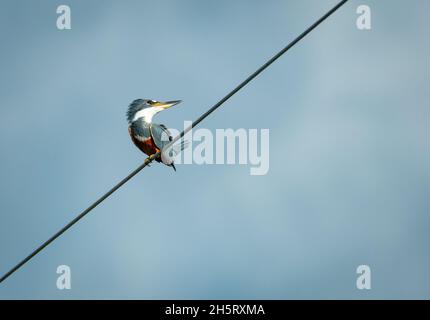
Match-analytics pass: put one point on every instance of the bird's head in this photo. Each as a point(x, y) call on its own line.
point(146, 108)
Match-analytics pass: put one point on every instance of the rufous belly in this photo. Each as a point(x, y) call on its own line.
point(147, 146)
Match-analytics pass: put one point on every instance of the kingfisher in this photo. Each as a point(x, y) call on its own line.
point(151, 137)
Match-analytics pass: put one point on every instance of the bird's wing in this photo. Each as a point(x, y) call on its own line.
point(161, 135)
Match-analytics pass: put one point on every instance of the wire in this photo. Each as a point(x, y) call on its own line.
point(154, 156)
point(261, 69)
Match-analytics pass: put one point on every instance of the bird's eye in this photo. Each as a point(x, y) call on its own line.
point(150, 101)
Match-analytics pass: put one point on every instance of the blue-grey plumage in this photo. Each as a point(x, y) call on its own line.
point(150, 137)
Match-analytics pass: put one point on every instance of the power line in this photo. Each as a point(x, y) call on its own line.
point(195, 123)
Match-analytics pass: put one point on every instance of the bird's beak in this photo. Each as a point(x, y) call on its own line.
point(167, 104)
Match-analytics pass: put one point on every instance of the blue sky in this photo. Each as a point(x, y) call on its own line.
point(349, 151)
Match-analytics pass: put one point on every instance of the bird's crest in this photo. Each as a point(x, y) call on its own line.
point(134, 107)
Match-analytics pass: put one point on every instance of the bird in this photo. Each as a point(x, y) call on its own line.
point(151, 137)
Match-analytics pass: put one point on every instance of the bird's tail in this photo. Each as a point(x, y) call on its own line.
point(168, 156)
